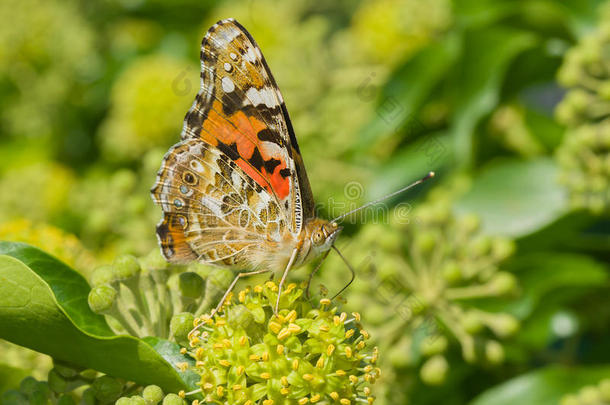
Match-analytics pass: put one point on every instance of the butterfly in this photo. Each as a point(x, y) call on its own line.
point(234, 191)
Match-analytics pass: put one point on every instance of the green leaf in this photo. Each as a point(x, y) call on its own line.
point(541, 273)
point(542, 387)
point(515, 198)
point(69, 287)
point(430, 152)
point(480, 13)
point(409, 87)
point(549, 282)
point(478, 78)
point(31, 315)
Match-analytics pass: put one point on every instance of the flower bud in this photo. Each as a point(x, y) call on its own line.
point(180, 326)
point(103, 275)
point(153, 261)
point(469, 223)
point(503, 283)
point(504, 325)
point(153, 394)
point(502, 248)
point(425, 241)
point(137, 400)
point(126, 266)
point(452, 272)
point(102, 298)
point(494, 352)
point(173, 399)
point(434, 370)
point(471, 322)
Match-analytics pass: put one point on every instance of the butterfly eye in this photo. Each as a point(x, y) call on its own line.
point(317, 237)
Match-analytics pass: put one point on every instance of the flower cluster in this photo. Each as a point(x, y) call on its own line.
point(392, 30)
point(51, 239)
point(38, 192)
point(598, 395)
point(47, 54)
point(584, 155)
point(418, 280)
point(152, 395)
point(307, 353)
point(148, 100)
point(140, 297)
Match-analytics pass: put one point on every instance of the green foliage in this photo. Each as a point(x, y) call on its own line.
point(42, 294)
point(489, 286)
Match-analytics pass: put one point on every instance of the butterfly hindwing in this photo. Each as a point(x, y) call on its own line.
point(213, 212)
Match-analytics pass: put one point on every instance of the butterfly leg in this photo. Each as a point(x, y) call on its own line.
point(314, 272)
point(235, 280)
point(286, 270)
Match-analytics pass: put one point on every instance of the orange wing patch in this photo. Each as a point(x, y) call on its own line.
point(173, 240)
point(240, 141)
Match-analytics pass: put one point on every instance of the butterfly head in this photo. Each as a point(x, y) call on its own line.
point(321, 235)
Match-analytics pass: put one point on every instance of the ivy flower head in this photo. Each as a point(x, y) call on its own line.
point(308, 353)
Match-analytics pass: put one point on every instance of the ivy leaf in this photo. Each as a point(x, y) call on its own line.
point(542, 387)
point(516, 198)
point(478, 79)
point(69, 287)
point(43, 307)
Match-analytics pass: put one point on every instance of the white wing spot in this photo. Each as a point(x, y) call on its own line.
point(227, 84)
point(233, 56)
point(236, 179)
point(195, 165)
point(212, 204)
point(250, 55)
point(266, 96)
point(228, 67)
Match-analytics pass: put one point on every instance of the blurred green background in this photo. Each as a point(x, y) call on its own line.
point(489, 283)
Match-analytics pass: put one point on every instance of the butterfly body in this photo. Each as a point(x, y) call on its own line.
point(234, 190)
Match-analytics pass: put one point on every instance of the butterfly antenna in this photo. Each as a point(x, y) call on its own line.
point(377, 201)
point(349, 266)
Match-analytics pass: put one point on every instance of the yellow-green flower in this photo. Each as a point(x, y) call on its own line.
point(51, 239)
point(392, 30)
point(149, 101)
point(308, 353)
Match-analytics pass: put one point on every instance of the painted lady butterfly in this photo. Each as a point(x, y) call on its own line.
point(234, 190)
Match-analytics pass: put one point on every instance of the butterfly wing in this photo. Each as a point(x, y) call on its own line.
point(240, 110)
point(213, 212)
point(235, 187)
